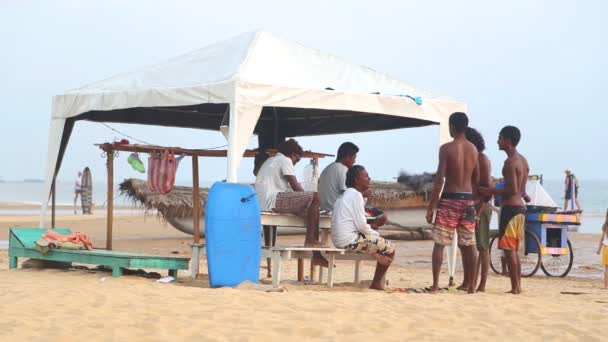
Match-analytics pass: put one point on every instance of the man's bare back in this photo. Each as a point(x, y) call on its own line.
point(515, 172)
point(460, 160)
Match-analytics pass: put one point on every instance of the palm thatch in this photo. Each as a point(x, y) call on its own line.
point(177, 203)
point(395, 195)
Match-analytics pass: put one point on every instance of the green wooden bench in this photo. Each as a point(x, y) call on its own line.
point(22, 244)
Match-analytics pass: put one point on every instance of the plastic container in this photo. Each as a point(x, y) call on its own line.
point(233, 234)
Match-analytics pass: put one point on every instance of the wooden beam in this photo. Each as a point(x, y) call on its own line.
point(110, 148)
point(110, 214)
point(196, 201)
point(53, 204)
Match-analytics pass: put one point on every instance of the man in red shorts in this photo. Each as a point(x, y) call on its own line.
point(458, 171)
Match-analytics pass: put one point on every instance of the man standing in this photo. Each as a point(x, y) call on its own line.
point(332, 181)
point(484, 209)
point(77, 190)
point(570, 183)
point(512, 214)
point(458, 170)
point(350, 230)
point(278, 190)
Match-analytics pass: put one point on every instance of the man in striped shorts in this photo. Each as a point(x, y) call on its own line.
point(456, 209)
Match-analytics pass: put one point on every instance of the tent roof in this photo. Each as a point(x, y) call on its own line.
point(256, 57)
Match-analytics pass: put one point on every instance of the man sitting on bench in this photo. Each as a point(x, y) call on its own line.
point(350, 230)
point(278, 190)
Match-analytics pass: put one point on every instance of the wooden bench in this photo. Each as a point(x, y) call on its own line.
point(22, 243)
point(279, 253)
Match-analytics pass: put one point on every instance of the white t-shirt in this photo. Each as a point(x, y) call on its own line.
point(332, 184)
point(348, 219)
point(271, 180)
point(78, 184)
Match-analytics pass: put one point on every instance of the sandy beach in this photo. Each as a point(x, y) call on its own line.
point(70, 305)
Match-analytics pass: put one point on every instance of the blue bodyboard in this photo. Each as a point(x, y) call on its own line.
point(233, 234)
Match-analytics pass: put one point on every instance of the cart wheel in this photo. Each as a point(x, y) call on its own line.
point(557, 265)
point(530, 262)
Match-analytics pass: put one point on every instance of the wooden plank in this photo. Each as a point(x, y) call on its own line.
point(110, 215)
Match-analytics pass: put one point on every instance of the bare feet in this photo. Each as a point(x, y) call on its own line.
point(481, 289)
point(463, 287)
point(514, 292)
point(434, 289)
point(375, 286)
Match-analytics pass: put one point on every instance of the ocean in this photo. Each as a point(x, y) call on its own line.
point(593, 197)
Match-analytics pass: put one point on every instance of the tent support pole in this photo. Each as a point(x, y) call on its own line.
point(53, 194)
point(196, 224)
point(110, 215)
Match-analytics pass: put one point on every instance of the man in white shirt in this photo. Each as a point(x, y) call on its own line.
point(278, 190)
point(77, 189)
point(349, 227)
point(332, 181)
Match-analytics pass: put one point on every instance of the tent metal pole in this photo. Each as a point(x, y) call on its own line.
point(110, 214)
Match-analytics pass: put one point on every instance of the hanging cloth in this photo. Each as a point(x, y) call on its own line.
point(162, 167)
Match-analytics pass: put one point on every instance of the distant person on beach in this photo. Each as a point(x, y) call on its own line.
point(603, 248)
point(77, 190)
point(512, 212)
point(484, 213)
point(278, 190)
point(459, 171)
point(569, 181)
point(350, 229)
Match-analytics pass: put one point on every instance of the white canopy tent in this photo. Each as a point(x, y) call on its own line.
point(254, 83)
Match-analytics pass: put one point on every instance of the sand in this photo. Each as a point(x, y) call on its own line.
point(74, 305)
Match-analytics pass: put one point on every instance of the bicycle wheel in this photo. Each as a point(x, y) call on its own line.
point(530, 262)
point(558, 265)
point(496, 263)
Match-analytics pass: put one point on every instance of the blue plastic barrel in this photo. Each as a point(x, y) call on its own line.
point(233, 234)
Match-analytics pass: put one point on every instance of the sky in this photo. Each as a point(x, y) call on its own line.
point(538, 65)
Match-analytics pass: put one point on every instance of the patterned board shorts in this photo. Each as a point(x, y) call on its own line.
point(372, 244)
point(511, 227)
point(296, 202)
point(455, 214)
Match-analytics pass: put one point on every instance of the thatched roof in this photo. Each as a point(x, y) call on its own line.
point(395, 195)
point(177, 203)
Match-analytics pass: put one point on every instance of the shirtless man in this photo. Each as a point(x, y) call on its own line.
point(456, 209)
point(484, 212)
point(512, 214)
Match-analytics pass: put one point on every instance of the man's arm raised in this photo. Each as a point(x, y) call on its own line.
point(439, 182)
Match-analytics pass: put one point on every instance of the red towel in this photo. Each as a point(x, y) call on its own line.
point(161, 171)
point(53, 236)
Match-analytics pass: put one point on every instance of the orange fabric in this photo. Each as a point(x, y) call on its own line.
point(53, 236)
